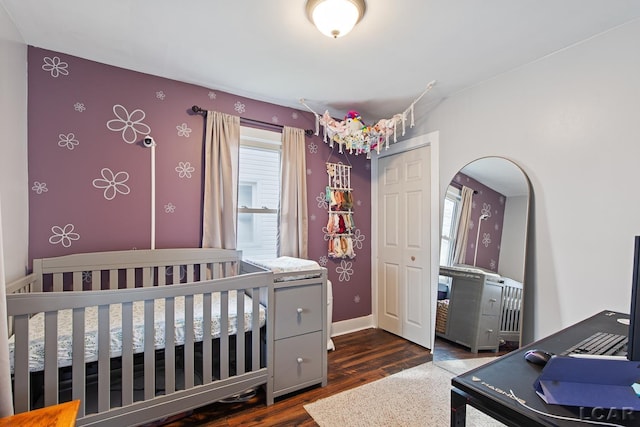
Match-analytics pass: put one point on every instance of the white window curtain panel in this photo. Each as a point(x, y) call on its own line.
point(222, 148)
point(462, 237)
point(293, 224)
point(6, 400)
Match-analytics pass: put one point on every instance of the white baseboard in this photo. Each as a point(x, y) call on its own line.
point(351, 325)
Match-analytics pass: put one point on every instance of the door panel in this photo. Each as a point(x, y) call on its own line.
point(404, 192)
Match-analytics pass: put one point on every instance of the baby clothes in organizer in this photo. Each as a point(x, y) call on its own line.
point(340, 225)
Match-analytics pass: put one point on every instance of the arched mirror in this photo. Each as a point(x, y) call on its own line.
point(482, 261)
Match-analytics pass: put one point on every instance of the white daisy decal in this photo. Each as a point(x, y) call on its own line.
point(357, 239)
point(486, 209)
point(294, 115)
point(55, 66)
point(212, 95)
point(486, 239)
point(39, 187)
point(322, 201)
point(79, 107)
point(185, 169)
point(160, 95)
point(275, 119)
point(69, 140)
point(63, 235)
point(239, 107)
point(130, 124)
point(183, 130)
point(323, 260)
point(313, 147)
point(169, 208)
point(344, 271)
point(112, 183)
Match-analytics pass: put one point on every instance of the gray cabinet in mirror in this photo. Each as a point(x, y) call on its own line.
point(482, 257)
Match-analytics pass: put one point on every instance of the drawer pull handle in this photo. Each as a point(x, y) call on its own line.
point(299, 360)
point(299, 310)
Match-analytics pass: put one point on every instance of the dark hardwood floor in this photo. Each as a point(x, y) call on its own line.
point(359, 358)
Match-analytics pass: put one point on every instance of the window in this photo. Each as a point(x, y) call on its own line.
point(449, 225)
point(258, 193)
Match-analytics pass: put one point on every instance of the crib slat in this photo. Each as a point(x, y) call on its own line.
point(255, 330)
point(188, 342)
point(224, 335)
point(22, 387)
point(77, 364)
point(127, 353)
point(149, 351)
point(58, 282)
point(176, 274)
point(50, 358)
point(170, 347)
point(96, 280)
point(131, 278)
point(77, 280)
point(103, 358)
point(113, 279)
point(190, 273)
point(162, 276)
point(206, 339)
point(147, 276)
point(240, 359)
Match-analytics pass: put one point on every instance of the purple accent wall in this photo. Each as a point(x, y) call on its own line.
point(490, 202)
point(90, 176)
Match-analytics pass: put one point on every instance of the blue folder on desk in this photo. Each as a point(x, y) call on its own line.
point(602, 383)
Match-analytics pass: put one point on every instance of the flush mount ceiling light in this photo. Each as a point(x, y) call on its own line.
point(335, 18)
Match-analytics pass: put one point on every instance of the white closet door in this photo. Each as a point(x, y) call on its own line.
point(404, 245)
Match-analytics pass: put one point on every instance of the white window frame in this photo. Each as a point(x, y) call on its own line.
point(263, 140)
point(455, 196)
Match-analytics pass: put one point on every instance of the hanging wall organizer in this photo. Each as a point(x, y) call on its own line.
point(339, 196)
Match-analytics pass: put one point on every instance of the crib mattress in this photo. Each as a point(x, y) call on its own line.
point(36, 328)
point(300, 268)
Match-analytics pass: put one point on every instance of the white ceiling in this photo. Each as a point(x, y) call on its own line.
point(268, 50)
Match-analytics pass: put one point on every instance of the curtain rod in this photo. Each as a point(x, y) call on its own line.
point(198, 110)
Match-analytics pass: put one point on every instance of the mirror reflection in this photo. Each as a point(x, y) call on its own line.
point(482, 261)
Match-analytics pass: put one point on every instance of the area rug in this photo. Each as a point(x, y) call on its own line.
point(418, 396)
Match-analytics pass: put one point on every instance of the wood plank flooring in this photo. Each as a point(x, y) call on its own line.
point(359, 358)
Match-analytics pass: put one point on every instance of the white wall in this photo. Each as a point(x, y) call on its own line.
point(14, 188)
point(572, 121)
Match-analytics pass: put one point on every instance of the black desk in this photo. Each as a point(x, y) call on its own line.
point(487, 388)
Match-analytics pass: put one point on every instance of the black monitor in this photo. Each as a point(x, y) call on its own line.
point(633, 346)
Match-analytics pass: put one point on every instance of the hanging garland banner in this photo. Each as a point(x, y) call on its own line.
point(354, 135)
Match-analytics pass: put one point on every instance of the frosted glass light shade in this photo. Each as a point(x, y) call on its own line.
point(335, 18)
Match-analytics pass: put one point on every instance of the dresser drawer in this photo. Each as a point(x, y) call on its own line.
point(298, 360)
point(491, 299)
point(298, 310)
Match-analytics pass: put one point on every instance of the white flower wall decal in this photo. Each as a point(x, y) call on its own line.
point(185, 169)
point(160, 95)
point(486, 239)
point(294, 115)
point(39, 187)
point(169, 208)
point(275, 119)
point(183, 130)
point(112, 183)
point(344, 271)
point(63, 235)
point(313, 147)
point(486, 209)
point(79, 107)
point(323, 260)
point(212, 95)
point(69, 140)
point(55, 66)
point(239, 107)
point(358, 239)
point(322, 201)
point(130, 124)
